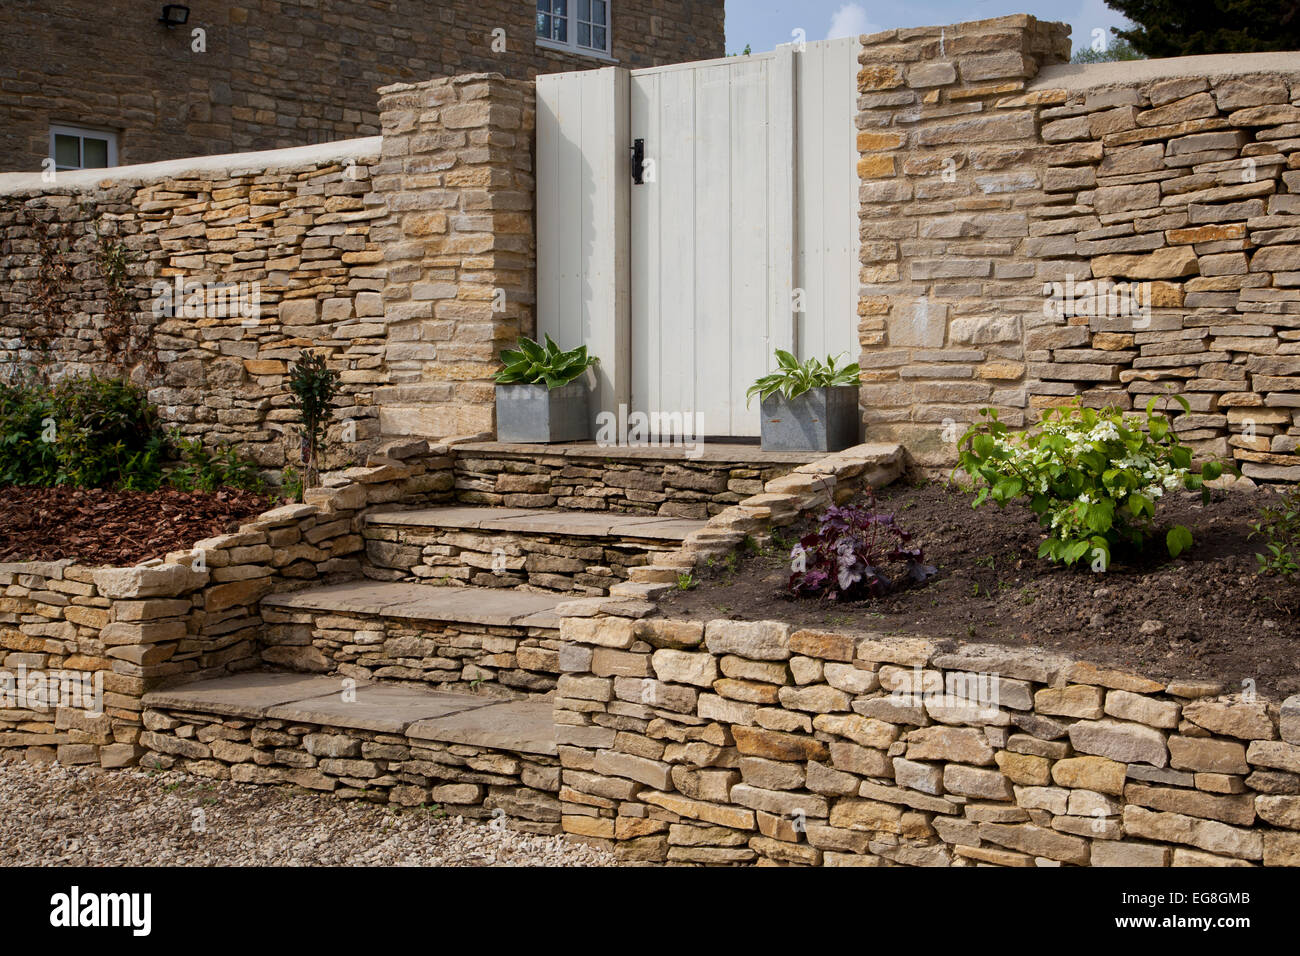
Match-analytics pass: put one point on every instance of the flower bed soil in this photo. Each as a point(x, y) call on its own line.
point(1206, 615)
point(114, 527)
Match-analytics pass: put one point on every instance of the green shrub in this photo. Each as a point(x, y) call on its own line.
point(104, 433)
point(792, 377)
point(1279, 525)
point(89, 432)
point(534, 364)
point(201, 469)
point(27, 431)
point(1092, 477)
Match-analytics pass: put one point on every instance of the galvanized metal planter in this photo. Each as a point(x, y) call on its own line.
point(535, 413)
point(821, 419)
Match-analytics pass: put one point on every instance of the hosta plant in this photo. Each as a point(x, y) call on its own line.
point(535, 364)
point(1092, 476)
point(856, 553)
point(792, 378)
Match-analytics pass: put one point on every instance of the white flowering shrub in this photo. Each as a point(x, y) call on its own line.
point(1092, 477)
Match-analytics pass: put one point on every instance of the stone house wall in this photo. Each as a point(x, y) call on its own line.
point(996, 186)
point(276, 74)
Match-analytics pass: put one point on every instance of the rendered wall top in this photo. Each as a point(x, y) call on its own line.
point(274, 74)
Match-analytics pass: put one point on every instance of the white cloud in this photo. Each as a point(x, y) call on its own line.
point(850, 20)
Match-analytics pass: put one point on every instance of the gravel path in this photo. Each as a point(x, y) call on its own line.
point(52, 815)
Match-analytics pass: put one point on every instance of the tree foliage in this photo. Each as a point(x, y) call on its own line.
point(1189, 27)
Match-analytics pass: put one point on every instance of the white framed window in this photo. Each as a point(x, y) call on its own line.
point(75, 147)
point(577, 26)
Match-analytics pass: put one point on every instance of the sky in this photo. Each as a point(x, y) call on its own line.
point(765, 23)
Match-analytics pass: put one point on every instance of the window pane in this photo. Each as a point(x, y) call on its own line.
point(598, 35)
point(560, 7)
point(94, 153)
point(561, 32)
point(544, 24)
point(584, 34)
point(598, 12)
point(584, 9)
point(67, 151)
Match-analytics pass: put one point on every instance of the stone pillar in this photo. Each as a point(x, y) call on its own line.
point(950, 165)
point(457, 176)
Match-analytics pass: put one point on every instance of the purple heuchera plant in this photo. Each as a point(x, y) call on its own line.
point(845, 557)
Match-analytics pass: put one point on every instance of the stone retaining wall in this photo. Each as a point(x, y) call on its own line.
point(455, 779)
point(507, 662)
point(524, 477)
point(741, 743)
point(998, 189)
point(193, 614)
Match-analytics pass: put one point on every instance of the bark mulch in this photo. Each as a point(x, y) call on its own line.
point(115, 528)
point(1206, 615)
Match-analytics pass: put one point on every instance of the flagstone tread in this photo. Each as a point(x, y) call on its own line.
point(250, 694)
point(587, 524)
point(493, 607)
point(524, 726)
point(527, 726)
point(383, 708)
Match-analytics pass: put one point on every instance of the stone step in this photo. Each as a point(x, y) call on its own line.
point(473, 755)
point(426, 602)
point(581, 552)
point(501, 642)
point(694, 480)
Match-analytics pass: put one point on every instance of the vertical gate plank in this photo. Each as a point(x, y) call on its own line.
point(583, 180)
point(828, 198)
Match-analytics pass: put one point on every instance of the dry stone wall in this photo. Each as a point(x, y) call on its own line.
point(405, 769)
point(407, 264)
point(1112, 232)
point(753, 743)
point(232, 271)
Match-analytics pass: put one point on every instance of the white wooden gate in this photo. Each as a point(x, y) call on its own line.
point(741, 239)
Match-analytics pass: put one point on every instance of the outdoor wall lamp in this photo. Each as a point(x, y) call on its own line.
point(174, 15)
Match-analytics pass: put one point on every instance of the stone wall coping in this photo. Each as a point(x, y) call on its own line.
point(1086, 76)
point(226, 165)
point(459, 79)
